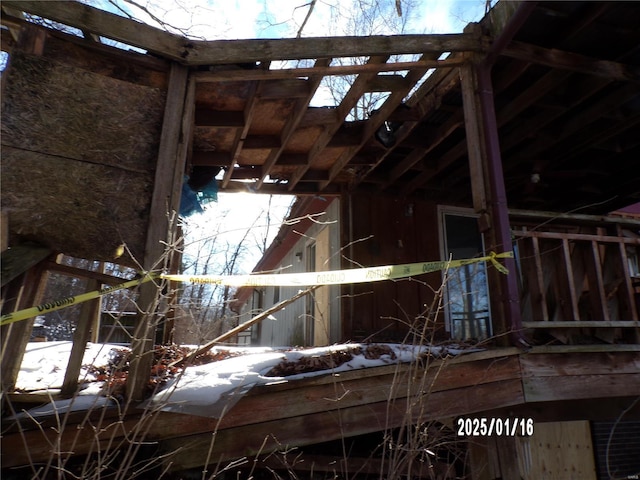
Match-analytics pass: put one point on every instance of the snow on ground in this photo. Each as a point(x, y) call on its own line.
point(210, 389)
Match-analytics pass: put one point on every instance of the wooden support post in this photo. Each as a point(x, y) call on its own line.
point(26, 291)
point(500, 227)
point(162, 225)
point(473, 131)
point(81, 335)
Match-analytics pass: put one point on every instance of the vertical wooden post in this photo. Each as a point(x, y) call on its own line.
point(162, 222)
point(473, 131)
point(88, 313)
point(489, 196)
point(25, 291)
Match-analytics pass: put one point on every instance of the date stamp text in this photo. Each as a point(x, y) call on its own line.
point(494, 426)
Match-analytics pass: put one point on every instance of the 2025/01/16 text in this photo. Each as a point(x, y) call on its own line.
point(489, 426)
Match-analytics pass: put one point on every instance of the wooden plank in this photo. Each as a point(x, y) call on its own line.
point(375, 122)
point(546, 389)
point(197, 52)
point(105, 278)
point(164, 204)
point(583, 324)
point(597, 295)
point(585, 348)
point(326, 70)
point(569, 302)
point(560, 450)
point(357, 89)
point(19, 259)
point(474, 136)
point(242, 132)
point(574, 62)
point(578, 218)
point(579, 363)
point(26, 291)
point(577, 236)
point(248, 441)
point(88, 313)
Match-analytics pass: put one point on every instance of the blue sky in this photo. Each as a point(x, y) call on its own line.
point(236, 19)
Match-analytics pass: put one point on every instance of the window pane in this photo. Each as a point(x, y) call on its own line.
point(467, 289)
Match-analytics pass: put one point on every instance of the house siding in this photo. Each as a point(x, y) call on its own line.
point(291, 325)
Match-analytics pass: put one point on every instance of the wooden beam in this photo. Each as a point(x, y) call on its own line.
point(4, 232)
point(243, 132)
point(376, 121)
point(81, 335)
point(577, 237)
point(583, 324)
point(357, 89)
point(545, 389)
point(474, 135)
point(574, 62)
point(197, 52)
point(82, 273)
point(580, 375)
point(26, 291)
point(293, 122)
point(266, 437)
point(326, 70)
point(19, 259)
point(162, 222)
point(432, 140)
point(579, 218)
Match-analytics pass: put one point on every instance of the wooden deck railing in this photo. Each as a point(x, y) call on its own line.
point(581, 274)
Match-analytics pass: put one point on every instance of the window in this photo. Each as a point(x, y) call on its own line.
point(468, 315)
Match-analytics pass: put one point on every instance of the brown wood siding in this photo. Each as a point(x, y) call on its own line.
point(387, 231)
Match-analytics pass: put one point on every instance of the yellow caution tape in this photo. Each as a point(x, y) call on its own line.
point(332, 277)
point(338, 277)
point(67, 302)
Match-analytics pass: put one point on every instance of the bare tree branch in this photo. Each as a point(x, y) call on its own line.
point(311, 6)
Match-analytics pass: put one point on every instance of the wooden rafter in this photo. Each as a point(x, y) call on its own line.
point(242, 132)
point(294, 120)
point(375, 121)
point(358, 88)
point(324, 69)
point(574, 62)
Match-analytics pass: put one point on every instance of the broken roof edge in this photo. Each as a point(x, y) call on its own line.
point(202, 52)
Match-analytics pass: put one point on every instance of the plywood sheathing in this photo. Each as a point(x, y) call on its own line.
point(87, 141)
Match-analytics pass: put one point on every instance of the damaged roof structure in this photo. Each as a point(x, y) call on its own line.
point(530, 114)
